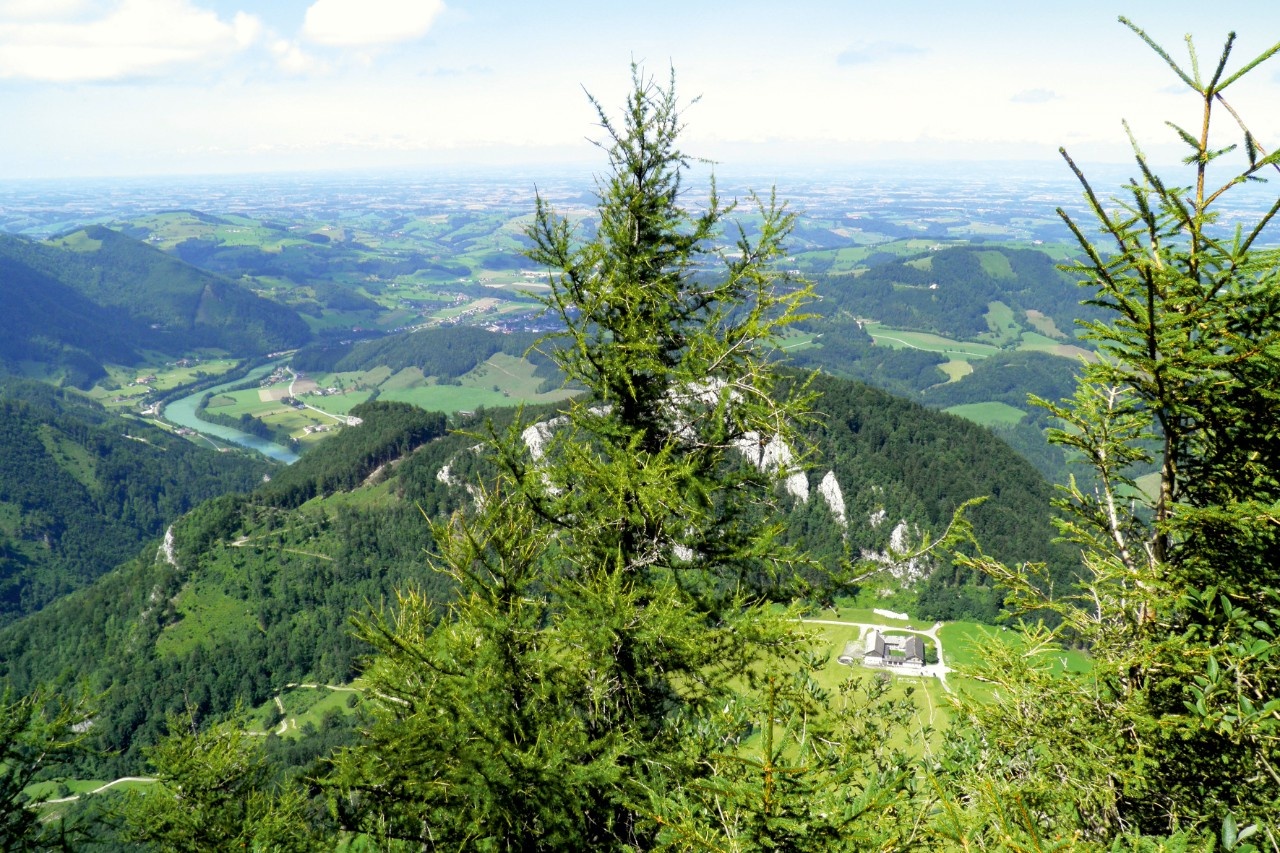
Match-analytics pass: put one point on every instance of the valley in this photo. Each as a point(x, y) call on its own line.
point(360, 259)
point(330, 366)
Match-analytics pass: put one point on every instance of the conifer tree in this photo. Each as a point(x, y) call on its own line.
point(1176, 727)
point(38, 732)
point(610, 583)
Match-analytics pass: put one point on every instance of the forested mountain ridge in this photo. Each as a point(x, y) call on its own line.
point(172, 305)
point(447, 352)
point(49, 328)
point(262, 585)
point(248, 591)
point(81, 490)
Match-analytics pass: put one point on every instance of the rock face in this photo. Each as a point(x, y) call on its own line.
point(897, 559)
point(536, 436)
point(775, 457)
point(829, 488)
point(771, 455)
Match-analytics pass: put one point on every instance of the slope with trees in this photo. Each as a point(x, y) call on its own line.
point(82, 490)
point(169, 305)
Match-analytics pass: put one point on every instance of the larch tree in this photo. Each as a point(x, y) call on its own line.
point(1175, 729)
point(612, 581)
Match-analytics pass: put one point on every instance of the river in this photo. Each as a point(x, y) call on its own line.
point(182, 412)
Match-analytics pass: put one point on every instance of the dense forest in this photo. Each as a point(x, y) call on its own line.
point(446, 353)
point(81, 490)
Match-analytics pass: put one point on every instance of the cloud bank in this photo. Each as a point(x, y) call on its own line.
point(64, 42)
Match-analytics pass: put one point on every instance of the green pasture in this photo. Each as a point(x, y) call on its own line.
point(1040, 342)
point(339, 404)
point(991, 413)
point(119, 379)
point(996, 264)
point(1004, 329)
point(203, 611)
point(503, 380)
point(956, 369)
point(305, 708)
point(54, 789)
point(902, 338)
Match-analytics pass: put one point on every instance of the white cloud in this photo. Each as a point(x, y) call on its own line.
point(246, 28)
point(291, 58)
point(133, 38)
point(363, 23)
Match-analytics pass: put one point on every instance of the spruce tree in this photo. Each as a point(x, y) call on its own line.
point(612, 580)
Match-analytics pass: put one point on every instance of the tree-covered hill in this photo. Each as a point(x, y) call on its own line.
point(948, 291)
point(50, 329)
point(446, 352)
point(252, 591)
point(173, 305)
point(81, 491)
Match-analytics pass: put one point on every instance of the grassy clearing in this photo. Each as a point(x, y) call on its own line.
point(959, 641)
point(996, 264)
point(1044, 324)
point(450, 398)
point(1040, 343)
point(956, 369)
point(900, 338)
point(305, 708)
point(1003, 328)
point(989, 414)
point(794, 339)
point(510, 375)
point(203, 612)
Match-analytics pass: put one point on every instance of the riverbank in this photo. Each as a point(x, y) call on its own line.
point(182, 413)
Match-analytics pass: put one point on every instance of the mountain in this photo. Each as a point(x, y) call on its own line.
point(50, 329)
point(447, 352)
point(257, 589)
point(163, 303)
point(82, 490)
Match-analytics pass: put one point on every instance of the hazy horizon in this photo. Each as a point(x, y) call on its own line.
point(124, 88)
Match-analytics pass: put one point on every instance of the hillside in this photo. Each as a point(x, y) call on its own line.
point(81, 491)
point(261, 586)
point(50, 330)
point(172, 306)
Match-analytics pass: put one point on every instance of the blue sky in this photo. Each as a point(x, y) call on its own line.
point(135, 87)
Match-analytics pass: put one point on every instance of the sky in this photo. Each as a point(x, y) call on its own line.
point(190, 87)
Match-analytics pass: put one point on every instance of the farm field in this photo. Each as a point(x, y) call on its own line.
point(322, 402)
point(992, 413)
point(128, 387)
point(900, 338)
